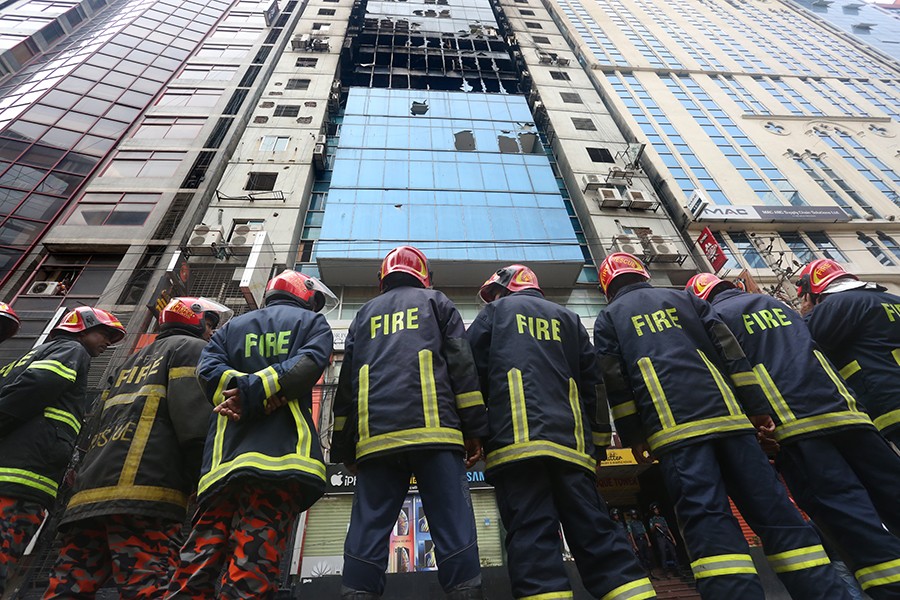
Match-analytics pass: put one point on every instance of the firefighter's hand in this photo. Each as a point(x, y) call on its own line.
point(642, 453)
point(474, 451)
point(274, 402)
point(763, 424)
point(231, 406)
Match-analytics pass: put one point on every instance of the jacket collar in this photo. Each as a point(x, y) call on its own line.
point(725, 295)
point(630, 288)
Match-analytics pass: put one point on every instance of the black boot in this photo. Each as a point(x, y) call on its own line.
point(467, 590)
point(351, 594)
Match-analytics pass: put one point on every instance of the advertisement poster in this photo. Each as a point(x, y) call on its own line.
point(425, 557)
point(400, 559)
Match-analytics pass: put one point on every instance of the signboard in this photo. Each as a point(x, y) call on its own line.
point(711, 249)
point(338, 480)
point(698, 203)
point(179, 273)
point(750, 284)
point(774, 214)
point(271, 13)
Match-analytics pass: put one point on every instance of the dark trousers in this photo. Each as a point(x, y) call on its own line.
point(19, 521)
point(668, 559)
point(642, 553)
point(849, 483)
point(536, 495)
point(137, 553)
point(381, 487)
point(701, 477)
point(236, 542)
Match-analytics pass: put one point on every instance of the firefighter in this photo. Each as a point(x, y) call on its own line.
point(641, 541)
point(142, 463)
point(841, 472)
point(408, 403)
point(857, 326)
point(9, 322)
point(42, 406)
point(548, 428)
point(663, 540)
point(262, 463)
point(668, 364)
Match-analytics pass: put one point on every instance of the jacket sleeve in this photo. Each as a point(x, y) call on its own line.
point(213, 370)
point(343, 437)
point(619, 392)
point(463, 376)
point(479, 337)
point(593, 395)
point(294, 376)
point(43, 381)
point(751, 397)
point(188, 407)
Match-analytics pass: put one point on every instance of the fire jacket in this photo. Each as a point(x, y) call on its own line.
point(408, 379)
point(539, 374)
point(144, 458)
point(42, 406)
point(667, 364)
point(280, 349)
point(805, 392)
point(859, 330)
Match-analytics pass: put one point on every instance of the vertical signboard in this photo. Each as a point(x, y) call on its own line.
point(712, 250)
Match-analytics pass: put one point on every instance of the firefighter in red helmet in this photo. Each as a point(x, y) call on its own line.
point(818, 421)
point(142, 463)
point(262, 464)
point(670, 366)
point(42, 406)
point(9, 322)
point(543, 446)
point(408, 403)
point(857, 325)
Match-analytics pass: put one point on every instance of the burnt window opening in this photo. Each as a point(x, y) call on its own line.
point(287, 110)
point(261, 182)
point(570, 98)
point(533, 25)
point(306, 62)
point(297, 84)
point(583, 124)
point(559, 75)
point(326, 11)
point(601, 155)
point(540, 39)
point(526, 12)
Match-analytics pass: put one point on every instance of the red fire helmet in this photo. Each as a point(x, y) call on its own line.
point(817, 275)
point(9, 322)
point(88, 317)
point(513, 278)
point(405, 259)
point(189, 312)
point(702, 284)
point(619, 263)
point(296, 285)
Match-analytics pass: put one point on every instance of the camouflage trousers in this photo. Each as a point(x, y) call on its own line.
point(138, 553)
point(19, 521)
point(236, 544)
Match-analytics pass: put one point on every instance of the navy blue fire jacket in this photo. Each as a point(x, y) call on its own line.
point(667, 362)
point(42, 407)
point(806, 394)
point(407, 380)
point(539, 374)
point(282, 348)
point(859, 330)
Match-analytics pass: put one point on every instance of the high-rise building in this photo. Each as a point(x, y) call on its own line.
point(151, 148)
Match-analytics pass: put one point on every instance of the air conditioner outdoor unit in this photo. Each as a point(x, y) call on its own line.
point(562, 62)
point(609, 198)
point(629, 244)
point(243, 238)
point(640, 201)
point(545, 59)
point(321, 140)
point(44, 288)
point(299, 42)
point(661, 250)
point(204, 238)
point(319, 156)
point(591, 182)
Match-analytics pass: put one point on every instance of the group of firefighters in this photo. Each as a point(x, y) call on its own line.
point(710, 382)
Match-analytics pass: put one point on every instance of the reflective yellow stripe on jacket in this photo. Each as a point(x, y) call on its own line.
point(887, 419)
point(63, 416)
point(537, 449)
point(29, 479)
point(575, 405)
point(697, 428)
point(517, 406)
point(820, 422)
point(727, 393)
point(54, 366)
point(881, 574)
point(429, 390)
point(798, 559)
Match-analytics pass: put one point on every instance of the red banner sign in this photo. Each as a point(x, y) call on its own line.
point(711, 249)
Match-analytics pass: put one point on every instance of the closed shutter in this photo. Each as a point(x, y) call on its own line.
point(326, 526)
point(487, 523)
